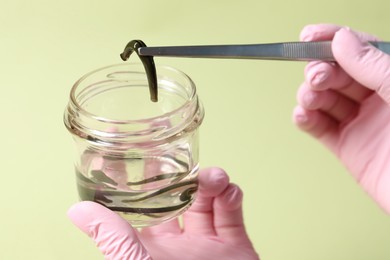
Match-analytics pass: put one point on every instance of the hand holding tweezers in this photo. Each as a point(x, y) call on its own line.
point(299, 51)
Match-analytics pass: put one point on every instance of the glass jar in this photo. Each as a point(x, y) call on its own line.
point(136, 157)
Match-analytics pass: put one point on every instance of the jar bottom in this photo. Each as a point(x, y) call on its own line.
point(146, 207)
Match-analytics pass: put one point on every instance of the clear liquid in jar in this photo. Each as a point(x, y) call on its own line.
point(142, 195)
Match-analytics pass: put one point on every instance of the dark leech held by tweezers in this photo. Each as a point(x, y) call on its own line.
point(147, 61)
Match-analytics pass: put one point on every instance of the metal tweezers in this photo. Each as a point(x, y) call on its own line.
point(299, 51)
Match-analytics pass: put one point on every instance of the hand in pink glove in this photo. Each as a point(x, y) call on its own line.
point(346, 106)
point(213, 227)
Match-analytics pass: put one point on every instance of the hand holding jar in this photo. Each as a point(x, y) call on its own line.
point(213, 227)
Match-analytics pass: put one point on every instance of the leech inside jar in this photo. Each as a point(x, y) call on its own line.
point(148, 62)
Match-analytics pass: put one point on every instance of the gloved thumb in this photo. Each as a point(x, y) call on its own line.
point(366, 64)
point(115, 238)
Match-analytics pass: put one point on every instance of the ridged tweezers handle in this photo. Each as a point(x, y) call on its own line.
point(308, 51)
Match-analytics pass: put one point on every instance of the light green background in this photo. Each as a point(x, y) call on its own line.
point(300, 203)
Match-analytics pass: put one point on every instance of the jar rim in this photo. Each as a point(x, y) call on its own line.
point(79, 108)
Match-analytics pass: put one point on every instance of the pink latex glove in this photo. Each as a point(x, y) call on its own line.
point(213, 227)
point(346, 106)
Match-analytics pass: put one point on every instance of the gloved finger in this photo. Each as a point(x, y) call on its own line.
point(330, 102)
point(325, 75)
point(228, 217)
point(113, 235)
point(365, 63)
point(199, 217)
point(318, 32)
point(326, 32)
point(317, 124)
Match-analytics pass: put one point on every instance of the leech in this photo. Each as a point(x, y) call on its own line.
point(147, 61)
point(157, 178)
